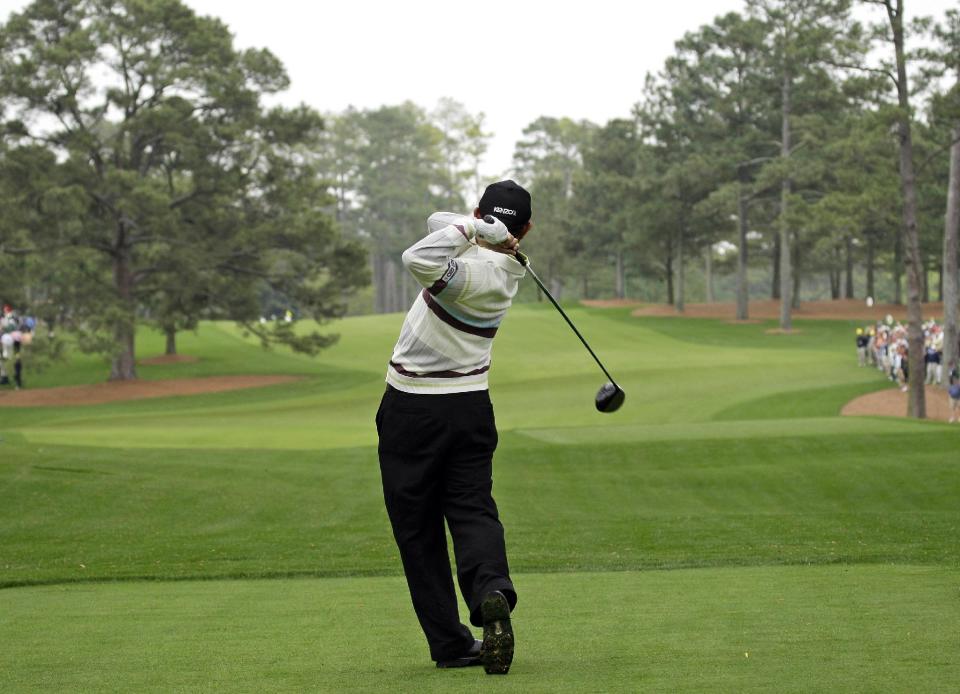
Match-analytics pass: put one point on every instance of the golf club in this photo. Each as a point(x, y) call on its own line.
point(610, 396)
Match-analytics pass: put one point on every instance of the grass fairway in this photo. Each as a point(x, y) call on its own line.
point(238, 542)
point(760, 629)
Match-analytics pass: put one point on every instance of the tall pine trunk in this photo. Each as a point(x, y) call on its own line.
point(379, 293)
point(834, 281)
point(554, 279)
point(870, 262)
point(917, 406)
point(951, 230)
point(556, 287)
point(621, 287)
point(681, 279)
point(797, 277)
point(708, 273)
point(786, 276)
point(848, 278)
point(390, 286)
point(743, 297)
point(669, 275)
point(796, 286)
point(898, 270)
point(123, 364)
point(775, 268)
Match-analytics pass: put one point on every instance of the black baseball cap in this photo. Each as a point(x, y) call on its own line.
point(508, 202)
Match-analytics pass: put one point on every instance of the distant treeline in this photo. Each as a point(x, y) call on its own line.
point(789, 139)
point(762, 126)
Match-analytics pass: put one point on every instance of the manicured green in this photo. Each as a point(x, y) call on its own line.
point(725, 509)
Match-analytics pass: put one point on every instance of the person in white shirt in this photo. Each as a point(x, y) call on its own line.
point(10, 336)
point(437, 432)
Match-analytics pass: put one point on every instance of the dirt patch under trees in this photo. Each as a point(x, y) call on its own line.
point(611, 303)
point(769, 309)
point(892, 402)
point(114, 391)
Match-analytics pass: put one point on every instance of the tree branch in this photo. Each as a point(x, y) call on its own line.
point(183, 199)
point(103, 201)
point(757, 160)
point(54, 247)
point(936, 153)
point(862, 68)
point(244, 271)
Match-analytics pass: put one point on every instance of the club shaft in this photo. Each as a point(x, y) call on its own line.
point(569, 322)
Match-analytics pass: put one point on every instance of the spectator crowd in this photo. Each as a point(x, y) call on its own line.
point(15, 332)
point(884, 345)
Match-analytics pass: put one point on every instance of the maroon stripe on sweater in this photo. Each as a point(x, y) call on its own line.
point(437, 287)
point(441, 283)
point(453, 322)
point(438, 374)
point(462, 231)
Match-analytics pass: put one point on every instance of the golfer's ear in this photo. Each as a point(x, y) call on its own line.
point(523, 232)
point(476, 213)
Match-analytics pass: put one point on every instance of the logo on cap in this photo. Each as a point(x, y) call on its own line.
point(504, 210)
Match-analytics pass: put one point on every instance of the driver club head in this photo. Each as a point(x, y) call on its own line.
point(610, 397)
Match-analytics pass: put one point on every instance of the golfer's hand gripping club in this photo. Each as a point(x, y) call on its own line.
point(492, 230)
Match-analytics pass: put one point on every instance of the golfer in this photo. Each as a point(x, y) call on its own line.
point(437, 431)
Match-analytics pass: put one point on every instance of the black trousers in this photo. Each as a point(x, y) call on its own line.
point(436, 460)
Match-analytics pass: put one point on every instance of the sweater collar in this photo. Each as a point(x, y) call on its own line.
point(502, 260)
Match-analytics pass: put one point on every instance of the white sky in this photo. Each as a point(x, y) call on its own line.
point(513, 60)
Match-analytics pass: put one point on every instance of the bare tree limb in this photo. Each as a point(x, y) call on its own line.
point(936, 153)
point(103, 201)
point(863, 68)
point(756, 160)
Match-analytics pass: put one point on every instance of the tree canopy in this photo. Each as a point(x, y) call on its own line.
point(158, 185)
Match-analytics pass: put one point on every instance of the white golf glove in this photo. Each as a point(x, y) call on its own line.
point(494, 234)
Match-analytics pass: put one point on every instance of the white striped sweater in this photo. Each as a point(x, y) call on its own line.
point(447, 336)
